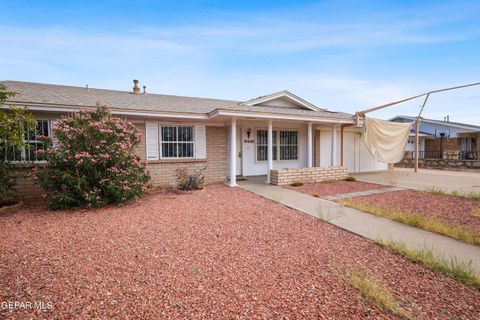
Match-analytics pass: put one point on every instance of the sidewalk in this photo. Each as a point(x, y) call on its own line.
point(406, 178)
point(368, 225)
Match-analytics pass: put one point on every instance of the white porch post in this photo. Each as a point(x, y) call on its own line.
point(309, 146)
point(233, 153)
point(269, 149)
point(333, 161)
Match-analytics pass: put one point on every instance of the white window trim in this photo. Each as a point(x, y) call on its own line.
point(161, 142)
point(278, 144)
point(23, 153)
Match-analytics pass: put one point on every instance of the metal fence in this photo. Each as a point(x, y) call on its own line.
point(469, 155)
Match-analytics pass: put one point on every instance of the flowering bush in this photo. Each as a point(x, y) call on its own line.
point(91, 161)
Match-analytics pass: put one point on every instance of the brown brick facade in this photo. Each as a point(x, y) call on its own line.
point(308, 175)
point(433, 145)
point(163, 171)
point(316, 148)
point(25, 188)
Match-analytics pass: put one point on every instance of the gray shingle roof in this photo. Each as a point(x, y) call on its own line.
point(29, 92)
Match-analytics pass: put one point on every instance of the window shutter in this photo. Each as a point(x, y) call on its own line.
point(200, 142)
point(151, 140)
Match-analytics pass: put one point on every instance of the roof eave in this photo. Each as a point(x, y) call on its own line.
point(278, 116)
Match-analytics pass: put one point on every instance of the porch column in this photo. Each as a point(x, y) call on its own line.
point(333, 161)
point(269, 149)
point(233, 153)
point(309, 146)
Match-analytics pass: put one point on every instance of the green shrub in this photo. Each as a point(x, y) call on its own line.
point(350, 178)
point(93, 161)
point(296, 184)
point(7, 179)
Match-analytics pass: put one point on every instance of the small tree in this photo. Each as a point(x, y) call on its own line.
point(13, 123)
point(92, 162)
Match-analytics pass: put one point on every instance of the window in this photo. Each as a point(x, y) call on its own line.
point(287, 140)
point(177, 141)
point(288, 145)
point(32, 143)
point(262, 145)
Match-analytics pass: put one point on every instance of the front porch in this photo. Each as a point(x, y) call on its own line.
point(281, 148)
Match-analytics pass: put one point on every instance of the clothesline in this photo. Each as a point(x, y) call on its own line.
point(362, 113)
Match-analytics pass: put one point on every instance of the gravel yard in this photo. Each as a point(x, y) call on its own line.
point(450, 209)
point(337, 187)
point(218, 253)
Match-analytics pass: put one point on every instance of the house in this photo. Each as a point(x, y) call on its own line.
point(443, 139)
point(230, 138)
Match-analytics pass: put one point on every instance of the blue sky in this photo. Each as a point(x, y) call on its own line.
point(341, 55)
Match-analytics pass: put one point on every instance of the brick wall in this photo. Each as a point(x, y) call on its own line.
point(163, 171)
point(316, 148)
point(141, 150)
point(25, 188)
point(442, 164)
point(308, 175)
point(447, 144)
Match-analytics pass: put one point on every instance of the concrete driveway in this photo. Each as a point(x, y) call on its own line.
point(424, 178)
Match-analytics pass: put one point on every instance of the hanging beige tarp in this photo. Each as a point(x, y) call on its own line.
point(386, 139)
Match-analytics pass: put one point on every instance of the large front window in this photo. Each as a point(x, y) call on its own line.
point(32, 143)
point(177, 141)
point(286, 139)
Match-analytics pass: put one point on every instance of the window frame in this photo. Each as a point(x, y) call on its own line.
point(27, 141)
point(177, 142)
point(276, 143)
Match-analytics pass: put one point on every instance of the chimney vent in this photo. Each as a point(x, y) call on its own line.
point(144, 89)
point(136, 89)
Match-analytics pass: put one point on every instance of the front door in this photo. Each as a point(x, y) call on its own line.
point(239, 152)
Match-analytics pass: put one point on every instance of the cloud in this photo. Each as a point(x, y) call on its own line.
point(316, 52)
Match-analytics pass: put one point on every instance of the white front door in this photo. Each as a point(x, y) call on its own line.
point(239, 152)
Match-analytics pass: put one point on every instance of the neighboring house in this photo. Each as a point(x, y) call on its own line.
point(228, 137)
point(441, 139)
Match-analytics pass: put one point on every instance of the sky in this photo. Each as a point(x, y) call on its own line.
point(340, 55)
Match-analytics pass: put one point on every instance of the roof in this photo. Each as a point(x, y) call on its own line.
point(284, 93)
point(440, 122)
point(71, 96)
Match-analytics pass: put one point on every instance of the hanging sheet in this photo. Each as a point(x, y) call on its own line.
point(386, 139)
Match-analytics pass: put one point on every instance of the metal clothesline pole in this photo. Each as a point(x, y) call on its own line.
point(418, 119)
point(417, 131)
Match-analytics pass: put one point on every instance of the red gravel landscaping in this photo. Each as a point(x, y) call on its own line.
point(337, 187)
point(454, 210)
point(219, 253)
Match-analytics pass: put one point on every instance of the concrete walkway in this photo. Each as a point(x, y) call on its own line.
point(406, 178)
point(360, 193)
point(367, 225)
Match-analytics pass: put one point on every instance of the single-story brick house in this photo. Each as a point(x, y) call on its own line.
point(230, 138)
point(444, 139)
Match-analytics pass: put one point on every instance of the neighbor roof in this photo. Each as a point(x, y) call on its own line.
point(440, 122)
point(60, 95)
